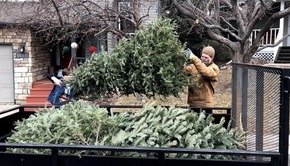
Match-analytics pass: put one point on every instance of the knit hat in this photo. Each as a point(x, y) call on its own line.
point(208, 50)
point(92, 49)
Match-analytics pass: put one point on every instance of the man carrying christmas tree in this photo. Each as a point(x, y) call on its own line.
point(205, 72)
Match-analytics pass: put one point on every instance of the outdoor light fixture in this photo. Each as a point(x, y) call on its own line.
point(74, 46)
point(21, 53)
point(22, 47)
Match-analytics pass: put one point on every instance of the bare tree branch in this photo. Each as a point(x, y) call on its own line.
point(273, 45)
point(267, 26)
point(221, 29)
point(60, 20)
point(236, 19)
point(57, 11)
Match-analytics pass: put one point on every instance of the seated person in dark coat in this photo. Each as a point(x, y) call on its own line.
point(61, 92)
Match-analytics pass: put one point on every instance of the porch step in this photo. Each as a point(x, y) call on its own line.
point(38, 95)
point(37, 98)
point(40, 91)
point(282, 61)
point(284, 58)
point(42, 84)
point(283, 55)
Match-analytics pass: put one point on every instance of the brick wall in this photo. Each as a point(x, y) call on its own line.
point(26, 70)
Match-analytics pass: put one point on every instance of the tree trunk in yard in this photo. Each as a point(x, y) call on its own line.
point(236, 19)
point(241, 51)
point(241, 57)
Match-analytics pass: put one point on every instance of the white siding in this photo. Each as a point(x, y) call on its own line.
point(111, 41)
point(153, 6)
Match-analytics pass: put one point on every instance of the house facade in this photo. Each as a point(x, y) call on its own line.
point(277, 34)
point(25, 59)
point(17, 73)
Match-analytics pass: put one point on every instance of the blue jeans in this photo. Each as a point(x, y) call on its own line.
point(55, 93)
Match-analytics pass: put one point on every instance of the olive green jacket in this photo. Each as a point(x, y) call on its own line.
point(207, 78)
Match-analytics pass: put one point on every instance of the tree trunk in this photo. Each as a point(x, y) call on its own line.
point(237, 58)
point(241, 57)
point(247, 58)
point(241, 52)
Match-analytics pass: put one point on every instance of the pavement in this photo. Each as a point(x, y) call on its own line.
point(4, 107)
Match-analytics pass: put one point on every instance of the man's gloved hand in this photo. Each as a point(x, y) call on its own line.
point(190, 55)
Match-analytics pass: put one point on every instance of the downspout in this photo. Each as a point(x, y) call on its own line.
point(281, 31)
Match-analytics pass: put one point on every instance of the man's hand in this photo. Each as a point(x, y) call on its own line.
point(190, 55)
point(56, 81)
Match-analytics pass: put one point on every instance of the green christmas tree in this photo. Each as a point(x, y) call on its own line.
point(150, 63)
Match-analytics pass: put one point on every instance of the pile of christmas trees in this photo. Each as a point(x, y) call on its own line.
point(78, 123)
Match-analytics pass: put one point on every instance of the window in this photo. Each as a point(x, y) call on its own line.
point(124, 23)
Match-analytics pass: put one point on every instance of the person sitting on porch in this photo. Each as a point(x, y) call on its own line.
point(61, 92)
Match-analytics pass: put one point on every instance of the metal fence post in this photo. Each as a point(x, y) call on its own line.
point(260, 111)
point(54, 156)
point(245, 84)
point(284, 118)
point(234, 96)
point(161, 158)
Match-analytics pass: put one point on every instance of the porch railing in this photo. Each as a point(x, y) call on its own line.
point(269, 38)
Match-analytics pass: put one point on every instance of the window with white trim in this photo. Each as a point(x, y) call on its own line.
point(124, 23)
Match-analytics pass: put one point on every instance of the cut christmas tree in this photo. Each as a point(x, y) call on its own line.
point(150, 63)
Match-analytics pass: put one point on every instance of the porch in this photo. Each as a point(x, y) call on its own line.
point(269, 53)
point(272, 54)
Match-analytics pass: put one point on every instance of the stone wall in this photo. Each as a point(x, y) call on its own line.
point(26, 70)
point(41, 59)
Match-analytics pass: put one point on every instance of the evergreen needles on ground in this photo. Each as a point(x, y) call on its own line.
point(149, 63)
point(81, 124)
